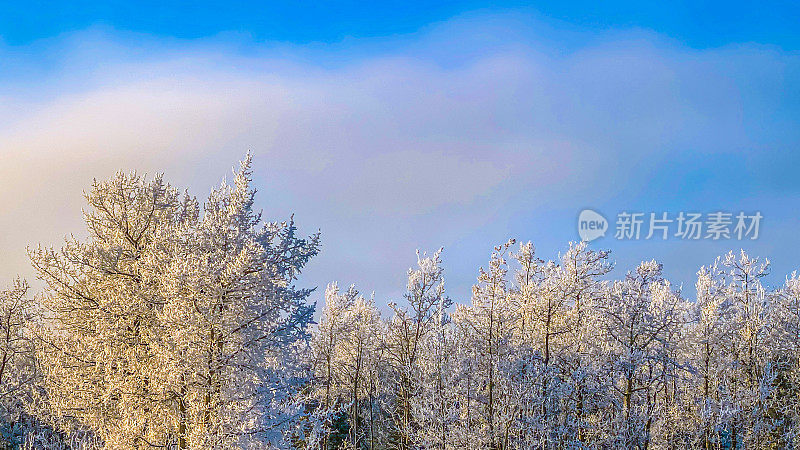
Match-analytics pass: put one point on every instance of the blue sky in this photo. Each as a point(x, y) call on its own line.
point(697, 24)
point(397, 126)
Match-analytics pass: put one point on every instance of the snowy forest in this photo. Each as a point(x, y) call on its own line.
point(181, 323)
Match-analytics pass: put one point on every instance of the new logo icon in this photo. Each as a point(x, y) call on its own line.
point(591, 225)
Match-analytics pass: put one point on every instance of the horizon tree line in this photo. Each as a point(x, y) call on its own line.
point(178, 324)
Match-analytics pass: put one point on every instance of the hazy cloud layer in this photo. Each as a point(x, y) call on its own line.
point(459, 135)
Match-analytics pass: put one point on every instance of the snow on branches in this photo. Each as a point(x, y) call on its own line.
point(178, 323)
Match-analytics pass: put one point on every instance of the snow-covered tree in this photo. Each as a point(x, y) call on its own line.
point(581, 275)
point(783, 403)
point(17, 359)
point(236, 318)
point(347, 349)
point(19, 370)
point(642, 319)
point(103, 297)
point(708, 332)
point(748, 379)
point(172, 326)
point(488, 325)
point(435, 405)
point(407, 331)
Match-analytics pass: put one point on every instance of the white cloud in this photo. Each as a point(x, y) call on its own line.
point(379, 147)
